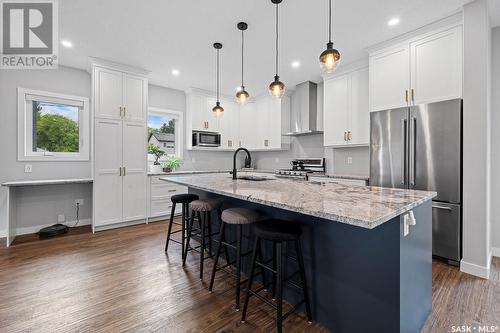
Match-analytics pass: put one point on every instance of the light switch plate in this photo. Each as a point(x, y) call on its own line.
point(28, 168)
point(349, 160)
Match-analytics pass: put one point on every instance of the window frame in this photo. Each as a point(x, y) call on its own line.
point(179, 130)
point(24, 152)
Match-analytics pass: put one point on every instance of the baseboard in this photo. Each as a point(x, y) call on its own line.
point(36, 228)
point(495, 251)
point(118, 225)
point(476, 270)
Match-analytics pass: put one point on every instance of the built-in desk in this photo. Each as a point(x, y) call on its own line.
point(11, 198)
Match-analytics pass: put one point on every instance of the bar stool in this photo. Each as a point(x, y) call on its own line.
point(278, 232)
point(185, 200)
point(203, 210)
point(237, 217)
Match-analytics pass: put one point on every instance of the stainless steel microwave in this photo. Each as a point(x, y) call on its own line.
point(206, 139)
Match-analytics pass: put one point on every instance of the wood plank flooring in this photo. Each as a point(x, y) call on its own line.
point(121, 281)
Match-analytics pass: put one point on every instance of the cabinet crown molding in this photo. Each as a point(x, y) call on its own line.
point(93, 61)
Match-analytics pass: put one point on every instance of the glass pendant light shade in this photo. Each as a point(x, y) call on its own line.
point(217, 109)
point(329, 59)
point(277, 88)
point(242, 96)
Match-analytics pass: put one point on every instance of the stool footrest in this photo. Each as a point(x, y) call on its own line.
point(270, 269)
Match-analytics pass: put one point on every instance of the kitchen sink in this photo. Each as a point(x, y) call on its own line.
point(254, 178)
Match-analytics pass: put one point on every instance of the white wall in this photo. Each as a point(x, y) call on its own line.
point(64, 80)
point(495, 139)
point(476, 238)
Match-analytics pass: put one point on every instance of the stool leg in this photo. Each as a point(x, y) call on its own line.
point(298, 249)
point(202, 241)
point(238, 265)
point(184, 221)
point(219, 247)
point(226, 252)
point(279, 282)
point(275, 268)
point(250, 279)
point(170, 226)
point(262, 270)
point(190, 229)
point(209, 223)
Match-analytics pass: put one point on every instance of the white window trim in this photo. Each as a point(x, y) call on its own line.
point(179, 130)
point(23, 122)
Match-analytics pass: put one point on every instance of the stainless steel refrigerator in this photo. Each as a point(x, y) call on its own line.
point(420, 147)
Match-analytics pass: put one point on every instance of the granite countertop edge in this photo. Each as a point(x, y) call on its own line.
point(333, 217)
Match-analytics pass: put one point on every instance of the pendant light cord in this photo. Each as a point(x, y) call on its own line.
point(242, 55)
point(277, 39)
point(330, 21)
point(217, 75)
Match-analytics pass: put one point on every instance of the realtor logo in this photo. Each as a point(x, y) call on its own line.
point(29, 37)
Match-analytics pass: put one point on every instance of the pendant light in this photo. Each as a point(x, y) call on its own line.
point(277, 88)
point(330, 58)
point(242, 95)
point(217, 109)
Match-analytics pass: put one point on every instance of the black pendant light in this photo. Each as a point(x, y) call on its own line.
point(217, 109)
point(330, 58)
point(242, 95)
point(277, 88)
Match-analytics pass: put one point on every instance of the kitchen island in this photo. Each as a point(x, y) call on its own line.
point(368, 250)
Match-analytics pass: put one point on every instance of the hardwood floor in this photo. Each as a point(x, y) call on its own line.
point(121, 280)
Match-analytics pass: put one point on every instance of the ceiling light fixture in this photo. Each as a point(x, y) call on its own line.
point(217, 109)
point(330, 57)
point(242, 95)
point(277, 88)
point(66, 43)
point(295, 64)
point(175, 72)
point(392, 22)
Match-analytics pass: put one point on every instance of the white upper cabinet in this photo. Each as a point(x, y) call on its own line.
point(424, 69)
point(248, 138)
point(436, 67)
point(229, 124)
point(389, 78)
point(108, 93)
point(346, 113)
point(120, 95)
point(134, 97)
point(336, 110)
point(359, 122)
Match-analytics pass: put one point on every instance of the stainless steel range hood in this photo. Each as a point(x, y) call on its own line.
point(304, 114)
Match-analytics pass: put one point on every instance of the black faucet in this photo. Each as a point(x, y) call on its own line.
point(249, 161)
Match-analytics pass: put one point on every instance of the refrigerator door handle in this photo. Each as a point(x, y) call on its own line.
point(441, 207)
point(413, 142)
point(403, 151)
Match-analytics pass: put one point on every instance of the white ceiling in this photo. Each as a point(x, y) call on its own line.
point(161, 35)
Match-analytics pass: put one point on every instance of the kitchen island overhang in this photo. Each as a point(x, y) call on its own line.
point(365, 273)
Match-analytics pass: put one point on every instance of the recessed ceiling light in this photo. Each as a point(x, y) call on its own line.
point(393, 21)
point(175, 72)
point(295, 64)
point(66, 43)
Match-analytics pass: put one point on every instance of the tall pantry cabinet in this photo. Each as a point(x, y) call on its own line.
point(120, 145)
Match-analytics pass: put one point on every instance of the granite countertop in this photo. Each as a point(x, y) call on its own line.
point(363, 206)
point(191, 172)
point(48, 182)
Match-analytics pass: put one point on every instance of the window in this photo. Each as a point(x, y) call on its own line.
point(52, 126)
point(165, 131)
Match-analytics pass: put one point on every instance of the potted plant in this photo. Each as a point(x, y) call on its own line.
point(171, 164)
point(158, 153)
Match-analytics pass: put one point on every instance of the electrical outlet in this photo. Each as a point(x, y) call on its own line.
point(61, 218)
point(28, 168)
point(349, 160)
point(79, 202)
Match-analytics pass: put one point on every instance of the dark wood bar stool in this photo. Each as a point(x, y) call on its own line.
point(238, 217)
point(185, 200)
point(278, 232)
point(202, 209)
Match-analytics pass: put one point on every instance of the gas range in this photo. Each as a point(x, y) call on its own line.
point(302, 168)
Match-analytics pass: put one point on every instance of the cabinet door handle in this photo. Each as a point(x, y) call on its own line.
point(121, 110)
point(120, 170)
point(123, 171)
point(349, 136)
point(412, 95)
point(124, 111)
point(345, 136)
point(229, 143)
point(406, 95)
point(266, 143)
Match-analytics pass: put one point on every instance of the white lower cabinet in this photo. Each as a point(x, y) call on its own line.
point(159, 197)
point(346, 112)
